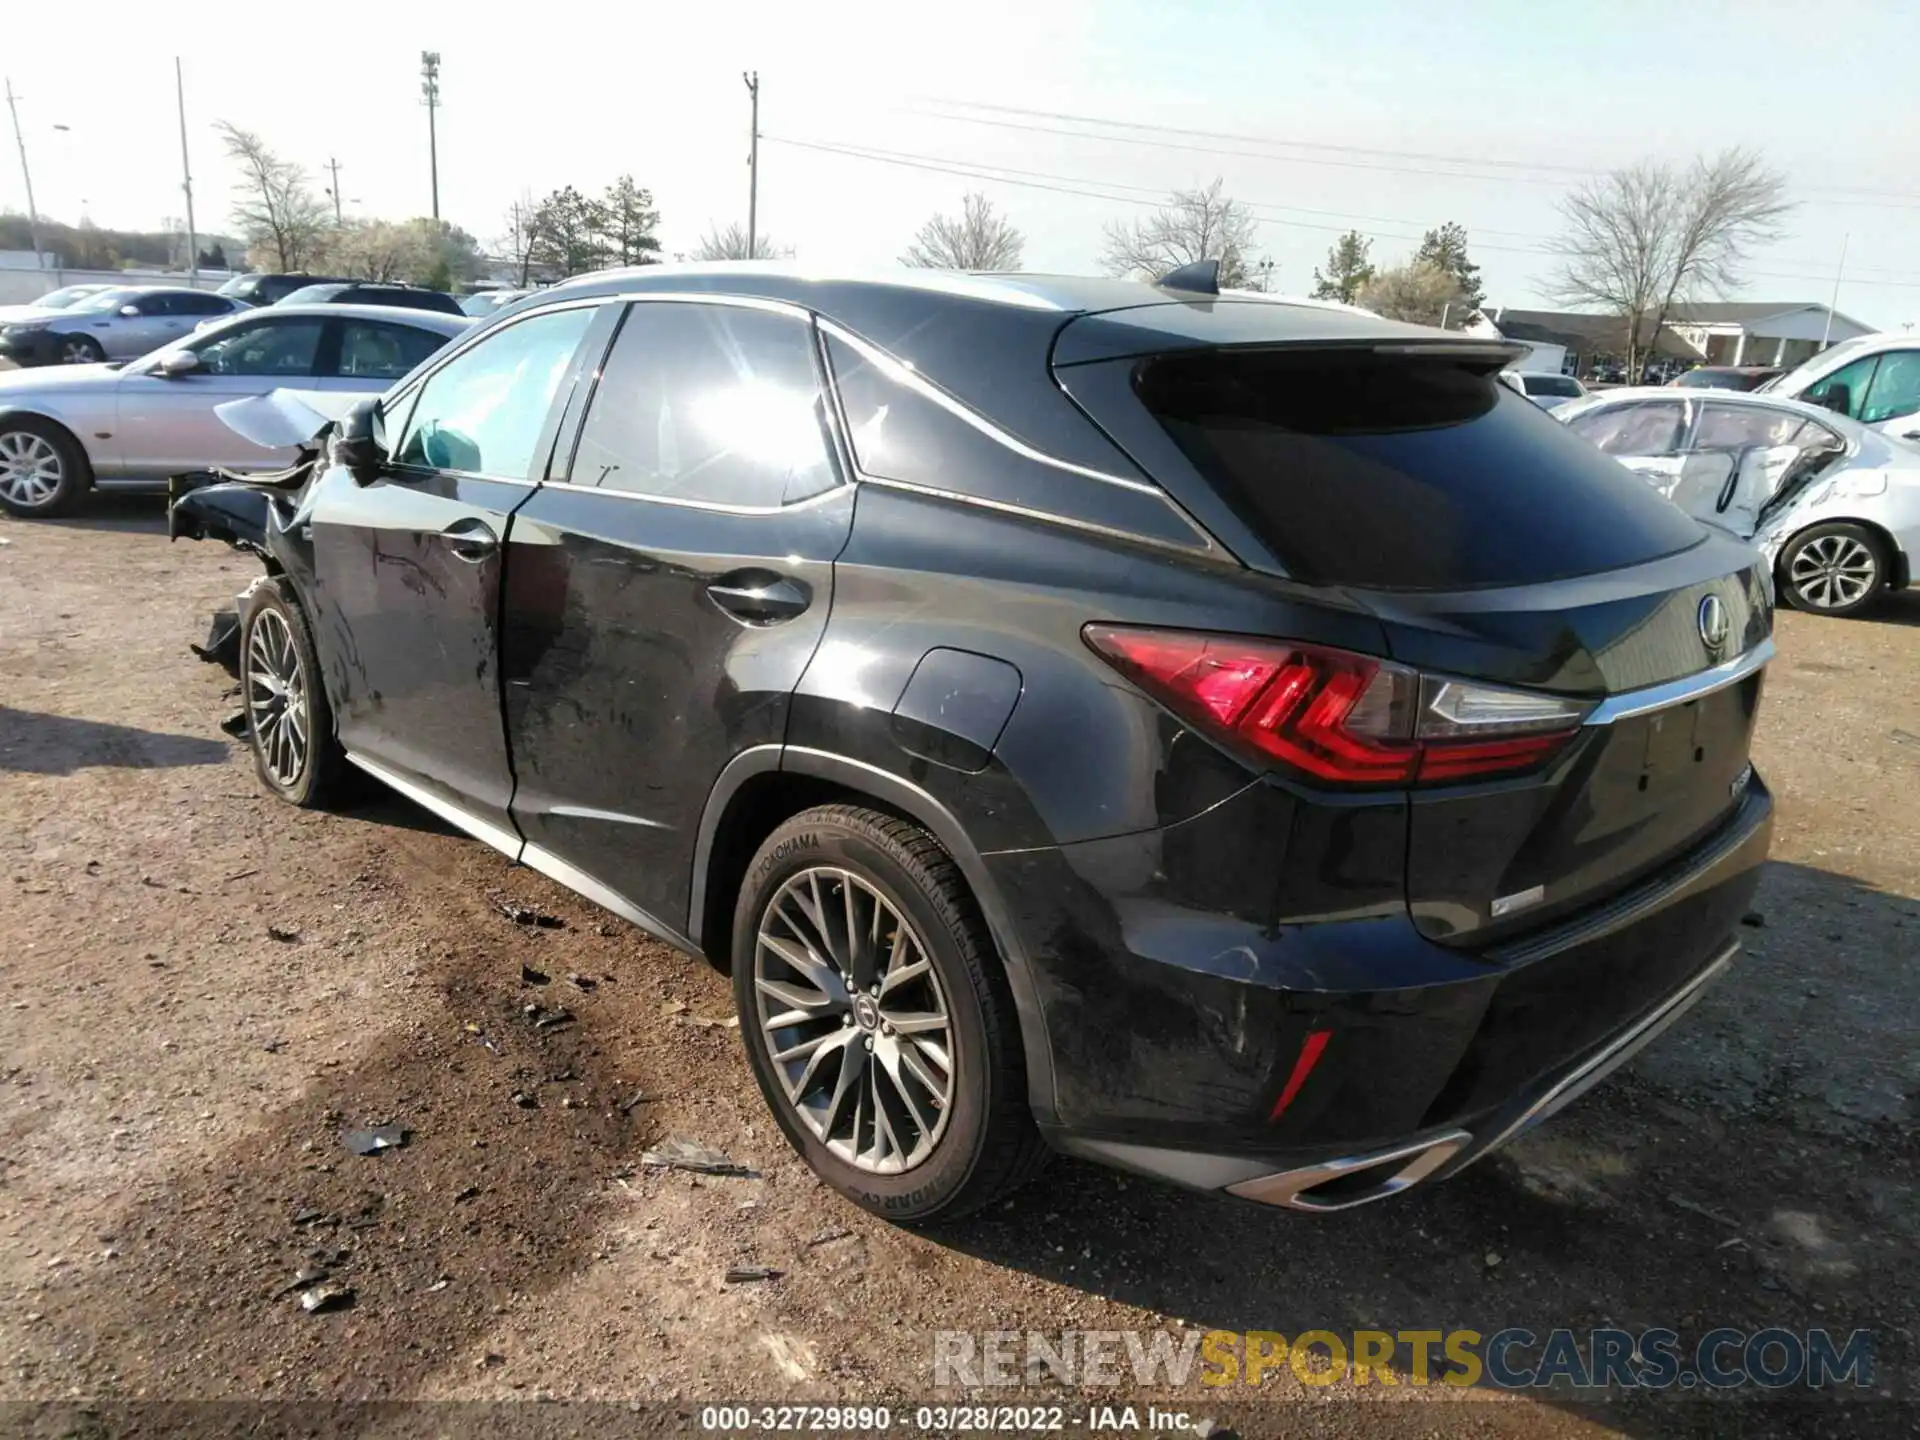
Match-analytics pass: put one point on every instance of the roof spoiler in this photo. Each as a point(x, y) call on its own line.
point(1200, 277)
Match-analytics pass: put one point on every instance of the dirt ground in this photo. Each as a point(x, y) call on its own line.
point(200, 989)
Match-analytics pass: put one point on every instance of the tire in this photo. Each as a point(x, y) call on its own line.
point(43, 470)
point(78, 350)
point(956, 1137)
point(289, 722)
point(1837, 569)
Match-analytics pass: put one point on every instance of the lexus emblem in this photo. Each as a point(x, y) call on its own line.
point(1715, 627)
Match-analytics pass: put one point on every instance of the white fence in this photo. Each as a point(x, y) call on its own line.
point(25, 285)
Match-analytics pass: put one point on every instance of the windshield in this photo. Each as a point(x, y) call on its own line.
point(239, 285)
point(69, 295)
point(111, 299)
point(311, 294)
point(1552, 385)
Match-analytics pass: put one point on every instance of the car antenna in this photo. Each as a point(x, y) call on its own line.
point(1202, 277)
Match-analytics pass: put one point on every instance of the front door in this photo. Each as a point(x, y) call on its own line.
point(408, 562)
point(168, 425)
point(664, 596)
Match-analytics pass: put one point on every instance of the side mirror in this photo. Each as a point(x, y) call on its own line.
point(130, 311)
point(1837, 398)
point(360, 442)
point(177, 364)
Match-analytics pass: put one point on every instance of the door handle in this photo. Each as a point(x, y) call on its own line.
point(470, 540)
point(760, 596)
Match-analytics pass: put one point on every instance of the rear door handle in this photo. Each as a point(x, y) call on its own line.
point(470, 540)
point(760, 596)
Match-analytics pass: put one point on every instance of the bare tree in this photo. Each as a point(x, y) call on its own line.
point(731, 244)
point(1419, 292)
point(1197, 225)
point(978, 238)
point(1644, 239)
point(278, 213)
point(521, 242)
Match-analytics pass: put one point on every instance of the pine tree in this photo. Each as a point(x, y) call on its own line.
point(1446, 249)
point(1348, 268)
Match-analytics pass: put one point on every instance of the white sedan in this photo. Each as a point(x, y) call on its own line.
point(1834, 505)
point(66, 429)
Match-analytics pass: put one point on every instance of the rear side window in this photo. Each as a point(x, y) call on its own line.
point(1656, 427)
point(372, 350)
point(1398, 472)
point(715, 404)
point(1552, 385)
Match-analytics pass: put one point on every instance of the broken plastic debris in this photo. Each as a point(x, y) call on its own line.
point(674, 1153)
point(525, 1101)
point(746, 1274)
point(829, 1235)
point(554, 1019)
point(582, 982)
point(372, 1142)
point(236, 724)
point(326, 1297)
point(285, 934)
point(531, 976)
point(526, 914)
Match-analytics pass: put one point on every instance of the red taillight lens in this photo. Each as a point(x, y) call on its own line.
point(1337, 717)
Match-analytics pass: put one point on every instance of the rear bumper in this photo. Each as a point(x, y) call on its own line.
point(1176, 1034)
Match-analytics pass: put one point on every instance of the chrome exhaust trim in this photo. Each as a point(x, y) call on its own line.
point(1457, 1149)
point(1293, 1188)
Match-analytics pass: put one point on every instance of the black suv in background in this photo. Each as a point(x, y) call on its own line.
point(367, 292)
point(1237, 741)
point(269, 289)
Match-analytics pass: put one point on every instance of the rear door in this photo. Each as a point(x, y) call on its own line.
point(1496, 546)
point(408, 563)
point(666, 590)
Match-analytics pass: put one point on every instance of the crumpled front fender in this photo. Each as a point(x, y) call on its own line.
point(232, 512)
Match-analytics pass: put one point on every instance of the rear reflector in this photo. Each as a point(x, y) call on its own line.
point(1309, 1057)
point(1340, 718)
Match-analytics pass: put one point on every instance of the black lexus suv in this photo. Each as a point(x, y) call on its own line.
point(1234, 740)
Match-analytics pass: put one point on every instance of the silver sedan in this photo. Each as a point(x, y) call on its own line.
point(67, 429)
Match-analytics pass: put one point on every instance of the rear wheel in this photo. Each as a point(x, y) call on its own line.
point(80, 350)
point(1834, 569)
point(43, 470)
point(878, 1023)
point(289, 722)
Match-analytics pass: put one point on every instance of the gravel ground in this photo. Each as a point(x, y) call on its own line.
point(200, 989)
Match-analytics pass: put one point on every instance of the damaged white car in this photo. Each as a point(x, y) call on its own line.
point(1834, 505)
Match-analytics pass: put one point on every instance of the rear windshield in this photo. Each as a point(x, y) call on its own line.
point(1393, 472)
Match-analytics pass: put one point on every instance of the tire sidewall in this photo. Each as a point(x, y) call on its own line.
point(75, 474)
point(809, 842)
point(1806, 537)
point(270, 597)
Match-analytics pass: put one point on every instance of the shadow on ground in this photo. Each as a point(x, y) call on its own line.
point(125, 511)
point(33, 743)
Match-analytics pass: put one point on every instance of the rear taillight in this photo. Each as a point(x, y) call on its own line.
point(1337, 717)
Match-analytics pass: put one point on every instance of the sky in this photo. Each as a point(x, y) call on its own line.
point(1385, 116)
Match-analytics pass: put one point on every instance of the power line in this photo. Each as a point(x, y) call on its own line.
point(1908, 197)
point(1110, 190)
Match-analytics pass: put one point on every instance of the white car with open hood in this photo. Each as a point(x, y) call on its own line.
point(1834, 504)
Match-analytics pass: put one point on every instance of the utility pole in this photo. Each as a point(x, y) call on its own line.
point(753, 164)
point(186, 177)
point(430, 89)
point(333, 169)
point(33, 215)
point(1839, 270)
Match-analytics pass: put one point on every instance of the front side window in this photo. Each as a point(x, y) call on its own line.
point(1845, 391)
point(270, 347)
point(200, 305)
point(1895, 390)
point(1654, 427)
point(374, 351)
point(1742, 427)
point(483, 411)
point(717, 404)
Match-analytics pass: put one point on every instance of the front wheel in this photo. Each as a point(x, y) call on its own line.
point(879, 1025)
point(1834, 569)
point(289, 722)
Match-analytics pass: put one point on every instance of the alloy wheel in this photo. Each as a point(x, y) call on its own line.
point(77, 351)
point(1833, 571)
point(855, 1020)
point(30, 469)
point(277, 704)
